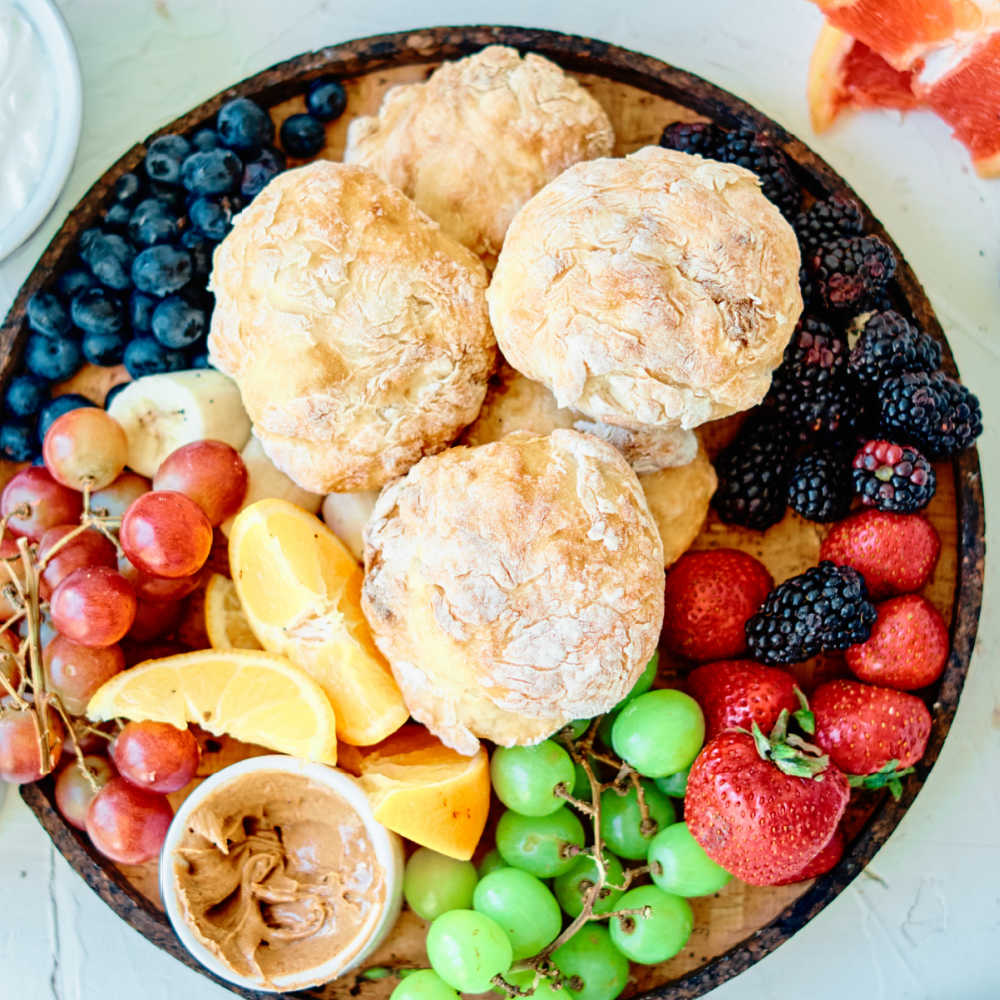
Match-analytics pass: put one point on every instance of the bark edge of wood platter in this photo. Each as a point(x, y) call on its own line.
point(641, 94)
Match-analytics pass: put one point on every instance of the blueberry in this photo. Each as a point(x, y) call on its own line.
point(17, 441)
point(214, 172)
point(76, 279)
point(55, 408)
point(302, 136)
point(110, 258)
point(164, 156)
point(140, 311)
point(244, 125)
point(104, 349)
point(177, 323)
point(201, 249)
point(87, 239)
point(96, 310)
point(161, 270)
point(52, 359)
point(146, 356)
point(26, 395)
point(258, 172)
point(112, 392)
point(173, 196)
point(205, 139)
point(153, 221)
point(117, 216)
point(127, 189)
point(326, 98)
point(200, 361)
point(213, 216)
point(47, 315)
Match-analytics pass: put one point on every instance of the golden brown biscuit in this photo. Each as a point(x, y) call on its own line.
point(659, 289)
point(355, 328)
point(515, 586)
point(474, 142)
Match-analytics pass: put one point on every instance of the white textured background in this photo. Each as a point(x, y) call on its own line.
point(929, 925)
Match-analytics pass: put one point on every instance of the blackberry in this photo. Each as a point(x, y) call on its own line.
point(820, 487)
point(930, 410)
point(814, 402)
point(893, 477)
point(745, 147)
point(753, 476)
point(824, 609)
point(815, 346)
point(827, 220)
point(851, 272)
point(889, 345)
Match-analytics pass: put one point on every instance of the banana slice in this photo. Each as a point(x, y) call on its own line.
point(159, 413)
point(346, 515)
point(265, 481)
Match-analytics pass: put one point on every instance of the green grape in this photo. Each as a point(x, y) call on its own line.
point(659, 733)
point(434, 883)
point(674, 785)
point(537, 844)
point(425, 984)
point(606, 725)
point(545, 990)
point(680, 865)
point(491, 862)
point(577, 728)
point(572, 888)
point(657, 937)
point(523, 906)
point(467, 949)
point(621, 819)
point(595, 968)
point(525, 778)
point(641, 686)
point(581, 783)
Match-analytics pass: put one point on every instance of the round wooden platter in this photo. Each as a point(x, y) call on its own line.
point(740, 925)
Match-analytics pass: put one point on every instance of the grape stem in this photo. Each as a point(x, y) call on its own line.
point(75, 743)
point(35, 667)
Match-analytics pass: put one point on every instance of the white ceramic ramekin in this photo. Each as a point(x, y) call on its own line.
point(388, 853)
point(64, 68)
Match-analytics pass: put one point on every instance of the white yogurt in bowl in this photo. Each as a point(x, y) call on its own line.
point(40, 112)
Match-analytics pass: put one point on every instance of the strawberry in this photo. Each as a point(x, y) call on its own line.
point(734, 694)
point(896, 553)
point(761, 808)
point(908, 647)
point(709, 597)
point(823, 861)
point(870, 730)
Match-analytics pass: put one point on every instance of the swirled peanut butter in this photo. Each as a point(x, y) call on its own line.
point(276, 875)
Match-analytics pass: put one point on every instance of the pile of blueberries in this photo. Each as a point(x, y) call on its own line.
point(136, 294)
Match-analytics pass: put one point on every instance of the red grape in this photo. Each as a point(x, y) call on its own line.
point(115, 499)
point(128, 824)
point(166, 534)
point(211, 473)
point(156, 756)
point(154, 619)
point(74, 792)
point(85, 447)
point(20, 744)
point(157, 588)
point(47, 502)
point(9, 666)
point(89, 548)
point(75, 672)
point(94, 606)
point(139, 652)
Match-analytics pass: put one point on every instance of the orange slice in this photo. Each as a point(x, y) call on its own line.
point(427, 792)
point(225, 622)
point(301, 592)
point(252, 696)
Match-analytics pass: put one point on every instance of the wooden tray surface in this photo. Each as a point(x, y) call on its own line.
point(741, 924)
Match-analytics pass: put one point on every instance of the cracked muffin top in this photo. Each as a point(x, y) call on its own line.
point(655, 290)
point(478, 138)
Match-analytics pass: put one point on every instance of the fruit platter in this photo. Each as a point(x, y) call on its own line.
point(483, 512)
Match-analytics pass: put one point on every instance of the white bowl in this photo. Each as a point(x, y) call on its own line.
point(64, 68)
point(388, 854)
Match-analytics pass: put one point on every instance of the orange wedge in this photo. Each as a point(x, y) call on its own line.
point(427, 792)
point(252, 696)
point(301, 592)
point(225, 622)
